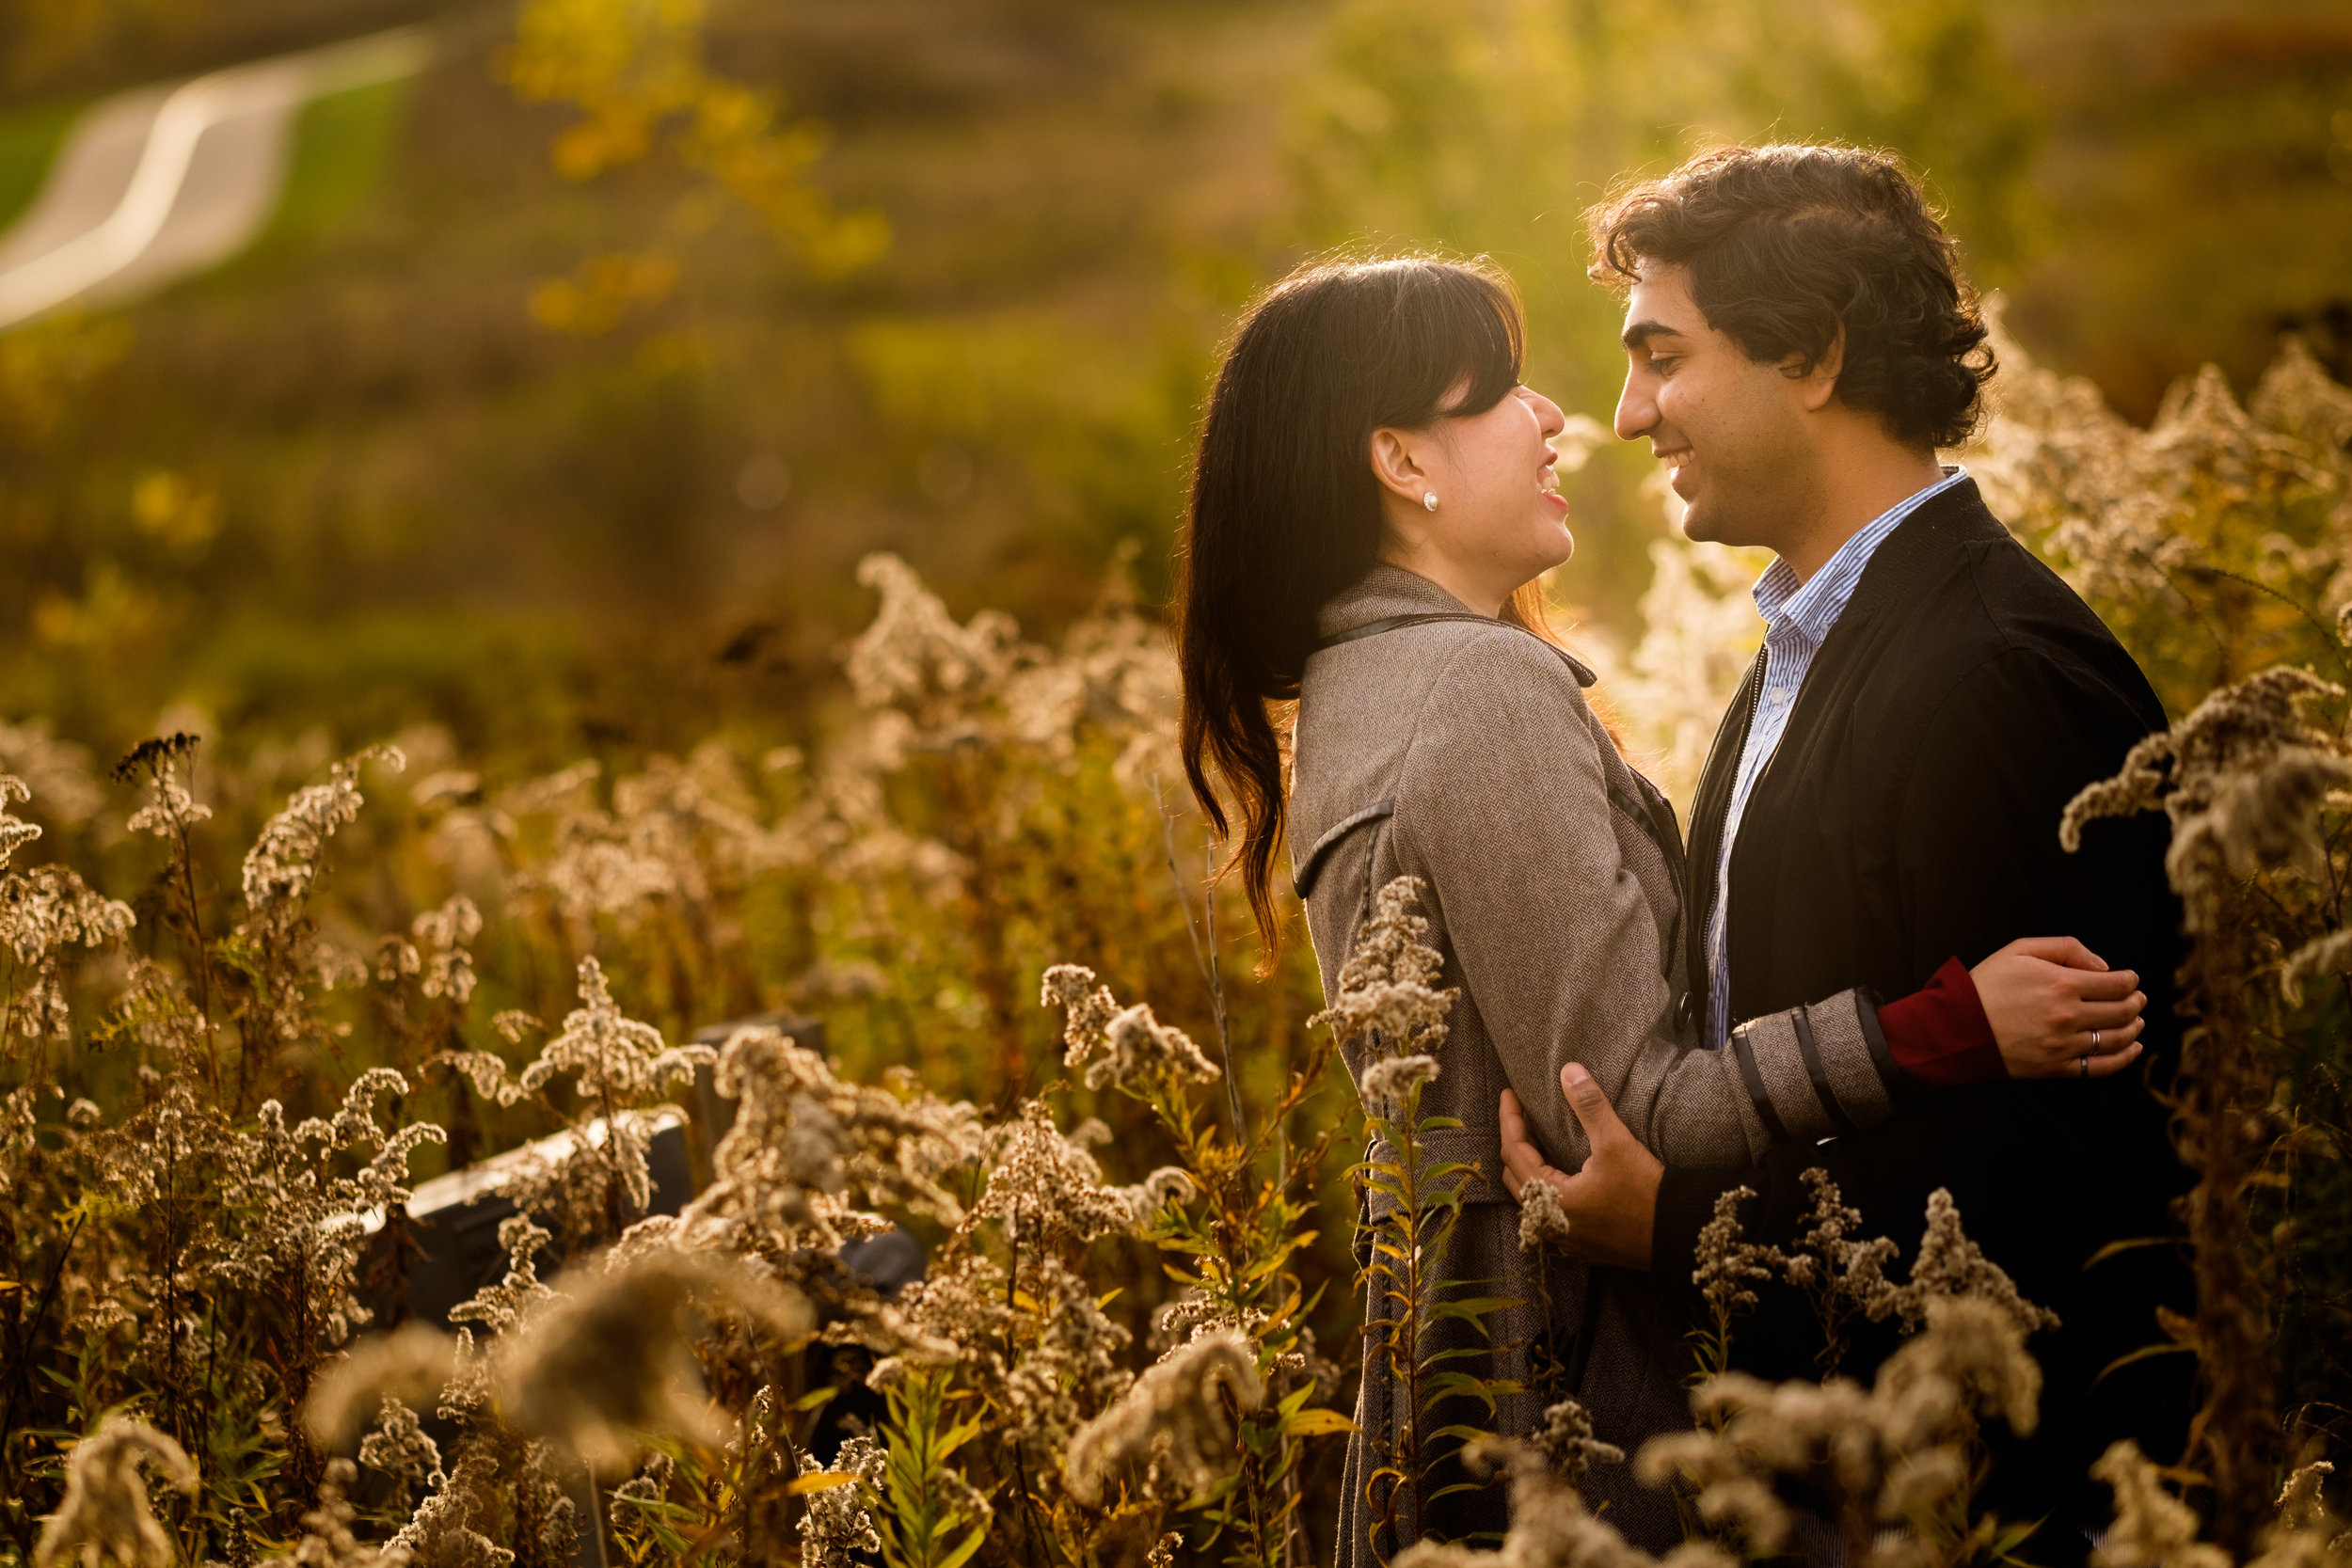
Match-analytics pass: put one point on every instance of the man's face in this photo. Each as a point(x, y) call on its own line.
point(1730, 431)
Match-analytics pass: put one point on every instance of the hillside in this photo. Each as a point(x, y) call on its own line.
point(376, 490)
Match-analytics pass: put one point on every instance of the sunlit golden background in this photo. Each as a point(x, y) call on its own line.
point(575, 354)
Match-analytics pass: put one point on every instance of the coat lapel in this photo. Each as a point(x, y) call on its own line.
point(1708, 810)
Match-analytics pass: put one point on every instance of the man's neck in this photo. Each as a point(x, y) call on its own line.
point(1856, 492)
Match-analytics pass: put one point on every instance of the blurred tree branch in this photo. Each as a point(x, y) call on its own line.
point(634, 69)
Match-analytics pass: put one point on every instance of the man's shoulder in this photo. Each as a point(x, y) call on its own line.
point(1975, 608)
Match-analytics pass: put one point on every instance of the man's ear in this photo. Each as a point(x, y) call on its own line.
point(1816, 387)
point(1394, 466)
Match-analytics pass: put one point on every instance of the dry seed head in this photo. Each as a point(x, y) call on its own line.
point(2269, 816)
point(1728, 1264)
point(1174, 1418)
point(1088, 1009)
point(485, 1072)
point(1075, 1371)
point(400, 1448)
point(513, 1023)
point(1567, 1442)
point(1542, 1222)
point(2328, 955)
point(1385, 997)
point(1044, 1187)
point(836, 1532)
point(2242, 779)
point(439, 1535)
point(914, 654)
point(409, 1366)
point(1551, 1526)
point(283, 862)
point(446, 934)
point(170, 810)
point(1135, 1047)
point(617, 1059)
point(1388, 1083)
point(2153, 1528)
point(1951, 1265)
point(1972, 1356)
point(2297, 395)
point(15, 833)
point(105, 1514)
point(595, 1369)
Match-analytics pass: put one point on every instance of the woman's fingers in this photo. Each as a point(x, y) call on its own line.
point(2064, 951)
point(2062, 1056)
point(2111, 1061)
point(2105, 1016)
point(2100, 985)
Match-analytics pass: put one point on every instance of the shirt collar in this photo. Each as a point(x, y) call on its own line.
point(1812, 607)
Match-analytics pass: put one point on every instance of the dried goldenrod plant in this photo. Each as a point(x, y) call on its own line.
point(240, 1032)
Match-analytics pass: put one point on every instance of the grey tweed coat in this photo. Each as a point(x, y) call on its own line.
point(1435, 742)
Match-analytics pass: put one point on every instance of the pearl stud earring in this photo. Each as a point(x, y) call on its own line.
point(1429, 499)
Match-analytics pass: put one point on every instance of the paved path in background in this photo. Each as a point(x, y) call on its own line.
point(158, 182)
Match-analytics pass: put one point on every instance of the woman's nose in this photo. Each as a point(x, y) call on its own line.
point(1550, 420)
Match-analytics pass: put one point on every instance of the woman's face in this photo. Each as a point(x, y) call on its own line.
point(1500, 520)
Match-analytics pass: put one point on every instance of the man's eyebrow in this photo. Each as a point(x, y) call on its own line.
point(1640, 333)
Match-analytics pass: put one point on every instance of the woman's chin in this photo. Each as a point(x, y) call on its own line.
point(1559, 543)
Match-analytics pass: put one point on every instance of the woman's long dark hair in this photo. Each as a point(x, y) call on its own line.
point(1285, 510)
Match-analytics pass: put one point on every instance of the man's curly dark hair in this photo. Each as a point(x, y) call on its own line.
point(1789, 245)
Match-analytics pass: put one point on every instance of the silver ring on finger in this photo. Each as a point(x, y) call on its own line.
point(2094, 1042)
point(2084, 1064)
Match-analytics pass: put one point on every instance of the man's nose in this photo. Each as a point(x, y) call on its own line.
point(1637, 412)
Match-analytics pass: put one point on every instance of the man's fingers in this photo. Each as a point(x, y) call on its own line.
point(2112, 1061)
point(2059, 950)
point(1592, 1107)
point(1521, 1160)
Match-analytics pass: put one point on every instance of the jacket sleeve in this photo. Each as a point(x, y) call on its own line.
point(1503, 807)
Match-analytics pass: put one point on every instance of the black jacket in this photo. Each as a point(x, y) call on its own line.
point(1910, 814)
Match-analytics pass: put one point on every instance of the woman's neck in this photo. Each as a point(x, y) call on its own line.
point(1481, 596)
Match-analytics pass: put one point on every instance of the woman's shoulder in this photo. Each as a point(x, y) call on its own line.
point(1500, 695)
point(1508, 663)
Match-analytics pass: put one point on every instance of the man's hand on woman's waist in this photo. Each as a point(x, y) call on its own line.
point(1611, 1203)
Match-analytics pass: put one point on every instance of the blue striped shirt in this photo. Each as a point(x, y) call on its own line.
point(1797, 621)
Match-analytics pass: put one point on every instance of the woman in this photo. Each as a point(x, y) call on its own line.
point(1373, 503)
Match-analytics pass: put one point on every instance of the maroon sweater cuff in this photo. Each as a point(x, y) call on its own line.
point(1940, 1036)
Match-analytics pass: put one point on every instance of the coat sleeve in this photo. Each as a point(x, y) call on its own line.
point(1503, 807)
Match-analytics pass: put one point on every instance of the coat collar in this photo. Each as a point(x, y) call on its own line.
point(1384, 591)
point(1389, 598)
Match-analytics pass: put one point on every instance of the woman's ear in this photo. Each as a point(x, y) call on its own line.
point(1396, 466)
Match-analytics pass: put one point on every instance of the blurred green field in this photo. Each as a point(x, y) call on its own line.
point(410, 500)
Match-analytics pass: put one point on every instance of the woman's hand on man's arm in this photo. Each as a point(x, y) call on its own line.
point(2045, 998)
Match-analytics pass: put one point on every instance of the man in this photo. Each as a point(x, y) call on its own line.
point(1886, 791)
